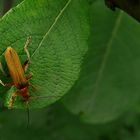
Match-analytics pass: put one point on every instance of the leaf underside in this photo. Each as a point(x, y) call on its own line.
point(110, 79)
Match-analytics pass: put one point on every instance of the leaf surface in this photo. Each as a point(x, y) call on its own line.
point(59, 31)
point(109, 84)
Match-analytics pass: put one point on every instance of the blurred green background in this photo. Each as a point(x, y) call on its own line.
point(56, 122)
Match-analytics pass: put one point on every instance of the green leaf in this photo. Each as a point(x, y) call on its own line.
point(59, 31)
point(109, 83)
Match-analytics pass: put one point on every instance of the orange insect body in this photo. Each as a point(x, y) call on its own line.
point(20, 81)
point(17, 73)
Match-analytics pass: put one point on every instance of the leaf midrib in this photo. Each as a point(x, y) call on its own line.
point(52, 26)
point(105, 58)
point(107, 52)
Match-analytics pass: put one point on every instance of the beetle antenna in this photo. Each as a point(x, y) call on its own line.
point(28, 114)
point(38, 97)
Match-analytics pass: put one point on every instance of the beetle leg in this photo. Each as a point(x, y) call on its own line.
point(6, 84)
point(29, 76)
point(2, 83)
point(2, 70)
point(12, 99)
point(25, 65)
point(26, 47)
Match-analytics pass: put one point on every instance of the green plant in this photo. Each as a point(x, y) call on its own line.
point(59, 32)
point(83, 52)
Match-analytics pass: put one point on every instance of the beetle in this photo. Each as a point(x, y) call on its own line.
point(17, 73)
point(19, 79)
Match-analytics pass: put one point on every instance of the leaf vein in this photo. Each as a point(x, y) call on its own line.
point(52, 26)
point(107, 52)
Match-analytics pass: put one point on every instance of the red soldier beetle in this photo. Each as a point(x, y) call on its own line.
point(17, 73)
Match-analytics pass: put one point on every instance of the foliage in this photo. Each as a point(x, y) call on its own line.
point(109, 82)
point(57, 46)
point(57, 123)
point(83, 52)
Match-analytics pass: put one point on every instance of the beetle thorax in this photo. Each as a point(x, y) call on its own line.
point(24, 92)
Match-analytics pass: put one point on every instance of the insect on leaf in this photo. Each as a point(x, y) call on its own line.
point(59, 31)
